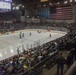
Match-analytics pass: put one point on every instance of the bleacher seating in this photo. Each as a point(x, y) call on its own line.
point(7, 16)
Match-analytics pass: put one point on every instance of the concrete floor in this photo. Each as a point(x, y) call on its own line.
point(53, 70)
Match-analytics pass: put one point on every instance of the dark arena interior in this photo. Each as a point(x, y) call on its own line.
point(37, 37)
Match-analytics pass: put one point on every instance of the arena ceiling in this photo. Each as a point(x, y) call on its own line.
point(38, 3)
point(35, 1)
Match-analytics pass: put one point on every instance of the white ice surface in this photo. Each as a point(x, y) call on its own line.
point(10, 43)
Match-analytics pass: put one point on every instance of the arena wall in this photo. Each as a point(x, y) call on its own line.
point(35, 12)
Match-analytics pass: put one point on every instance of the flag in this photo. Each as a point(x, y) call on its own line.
point(61, 13)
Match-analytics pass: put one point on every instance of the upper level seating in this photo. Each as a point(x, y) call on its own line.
point(7, 16)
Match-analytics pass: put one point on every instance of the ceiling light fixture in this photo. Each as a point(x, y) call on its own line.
point(65, 2)
point(71, 0)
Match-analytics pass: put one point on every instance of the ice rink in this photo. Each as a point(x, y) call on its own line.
point(11, 42)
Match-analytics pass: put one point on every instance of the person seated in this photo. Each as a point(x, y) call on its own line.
point(25, 66)
point(32, 62)
point(26, 56)
point(36, 58)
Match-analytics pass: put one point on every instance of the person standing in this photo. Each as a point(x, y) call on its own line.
point(60, 63)
point(69, 60)
point(22, 34)
point(50, 35)
point(75, 50)
point(30, 34)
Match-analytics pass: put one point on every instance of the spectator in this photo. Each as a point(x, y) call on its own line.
point(75, 49)
point(25, 66)
point(32, 62)
point(36, 58)
point(69, 60)
point(60, 63)
point(27, 56)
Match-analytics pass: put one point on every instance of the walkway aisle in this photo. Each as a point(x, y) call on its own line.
point(52, 71)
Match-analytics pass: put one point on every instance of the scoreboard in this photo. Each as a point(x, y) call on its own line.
point(6, 0)
point(5, 6)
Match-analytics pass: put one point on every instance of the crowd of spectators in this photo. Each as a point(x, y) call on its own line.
point(24, 61)
point(7, 16)
point(18, 26)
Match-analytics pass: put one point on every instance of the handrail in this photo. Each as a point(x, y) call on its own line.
point(72, 70)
